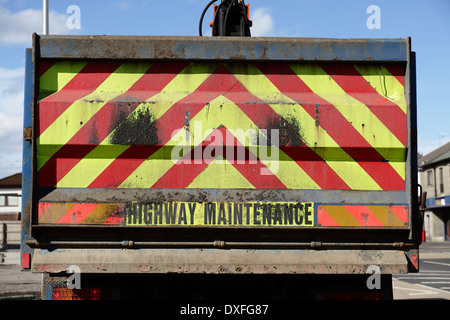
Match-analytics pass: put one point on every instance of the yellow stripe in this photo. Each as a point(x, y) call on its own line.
point(55, 212)
point(94, 163)
point(357, 114)
point(222, 111)
point(384, 83)
point(76, 116)
point(57, 76)
point(314, 136)
point(186, 82)
point(341, 216)
point(220, 173)
point(91, 166)
point(102, 212)
point(386, 216)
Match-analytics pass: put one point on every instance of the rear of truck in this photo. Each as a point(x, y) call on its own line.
point(161, 167)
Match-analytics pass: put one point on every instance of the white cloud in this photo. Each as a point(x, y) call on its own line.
point(18, 27)
point(263, 24)
point(123, 5)
point(11, 120)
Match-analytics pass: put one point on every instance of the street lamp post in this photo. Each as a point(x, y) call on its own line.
point(45, 17)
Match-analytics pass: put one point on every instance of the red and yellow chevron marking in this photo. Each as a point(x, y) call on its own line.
point(118, 125)
point(362, 216)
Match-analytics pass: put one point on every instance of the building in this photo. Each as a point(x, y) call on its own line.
point(11, 197)
point(434, 176)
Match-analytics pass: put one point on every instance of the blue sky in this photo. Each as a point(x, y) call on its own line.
point(426, 22)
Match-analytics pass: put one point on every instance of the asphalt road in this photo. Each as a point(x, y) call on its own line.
point(432, 282)
point(14, 283)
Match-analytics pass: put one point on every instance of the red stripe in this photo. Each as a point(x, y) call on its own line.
point(264, 116)
point(335, 124)
point(253, 172)
point(61, 163)
point(86, 81)
point(316, 168)
point(183, 172)
point(42, 207)
point(117, 217)
point(169, 123)
point(77, 213)
point(324, 219)
point(174, 119)
point(103, 122)
point(44, 65)
point(116, 110)
point(123, 166)
point(401, 212)
point(364, 216)
point(398, 71)
point(351, 81)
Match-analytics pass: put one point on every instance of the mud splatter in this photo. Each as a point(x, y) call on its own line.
point(138, 128)
point(288, 130)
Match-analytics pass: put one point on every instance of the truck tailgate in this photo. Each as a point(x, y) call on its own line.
point(261, 143)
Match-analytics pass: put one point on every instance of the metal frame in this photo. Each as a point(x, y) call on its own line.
point(221, 48)
point(226, 49)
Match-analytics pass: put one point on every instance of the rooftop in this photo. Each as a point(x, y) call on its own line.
point(440, 154)
point(14, 181)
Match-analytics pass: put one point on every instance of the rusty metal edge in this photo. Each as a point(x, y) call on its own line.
point(28, 152)
point(218, 261)
point(102, 195)
point(221, 48)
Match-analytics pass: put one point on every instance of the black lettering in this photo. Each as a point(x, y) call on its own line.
point(182, 214)
point(192, 211)
point(148, 213)
point(131, 215)
point(288, 215)
point(170, 212)
point(158, 213)
point(221, 218)
point(248, 206)
point(134, 215)
point(308, 215)
point(277, 215)
point(298, 214)
point(267, 214)
point(238, 213)
point(210, 213)
point(230, 217)
point(256, 213)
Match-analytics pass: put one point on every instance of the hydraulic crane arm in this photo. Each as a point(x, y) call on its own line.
point(230, 18)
